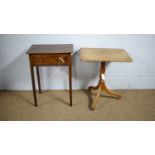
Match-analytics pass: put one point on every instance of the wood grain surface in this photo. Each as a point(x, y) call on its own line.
point(104, 54)
point(50, 48)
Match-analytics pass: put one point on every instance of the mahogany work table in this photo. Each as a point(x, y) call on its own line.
point(103, 55)
point(50, 55)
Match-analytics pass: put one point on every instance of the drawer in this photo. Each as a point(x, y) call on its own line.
point(50, 59)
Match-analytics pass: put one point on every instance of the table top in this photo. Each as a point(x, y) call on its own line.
point(104, 54)
point(50, 48)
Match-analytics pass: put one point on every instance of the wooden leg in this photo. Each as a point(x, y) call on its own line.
point(102, 87)
point(38, 78)
point(70, 83)
point(96, 99)
point(93, 87)
point(110, 92)
point(33, 85)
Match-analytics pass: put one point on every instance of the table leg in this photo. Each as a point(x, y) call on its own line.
point(110, 92)
point(102, 87)
point(33, 85)
point(96, 99)
point(93, 87)
point(38, 78)
point(70, 82)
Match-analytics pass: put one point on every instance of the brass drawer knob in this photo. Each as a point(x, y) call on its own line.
point(61, 60)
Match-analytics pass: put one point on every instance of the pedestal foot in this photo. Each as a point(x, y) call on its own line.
point(96, 99)
point(102, 87)
point(93, 87)
point(111, 93)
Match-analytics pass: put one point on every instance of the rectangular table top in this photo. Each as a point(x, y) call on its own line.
point(104, 54)
point(50, 48)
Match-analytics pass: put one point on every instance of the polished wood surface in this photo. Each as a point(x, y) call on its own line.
point(50, 59)
point(70, 80)
point(50, 49)
point(49, 55)
point(104, 54)
point(33, 82)
point(38, 78)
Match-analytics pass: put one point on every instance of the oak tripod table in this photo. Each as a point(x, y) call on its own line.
point(50, 55)
point(103, 55)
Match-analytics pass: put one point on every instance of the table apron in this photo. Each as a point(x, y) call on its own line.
point(45, 60)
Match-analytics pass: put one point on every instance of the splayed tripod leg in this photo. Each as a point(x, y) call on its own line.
point(102, 87)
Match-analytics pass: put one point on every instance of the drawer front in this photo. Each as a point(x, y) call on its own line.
point(60, 59)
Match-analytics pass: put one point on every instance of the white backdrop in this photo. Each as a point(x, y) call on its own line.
point(140, 74)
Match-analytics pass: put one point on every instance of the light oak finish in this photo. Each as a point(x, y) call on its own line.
point(103, 55)
point(49, 55)
point(102, 88)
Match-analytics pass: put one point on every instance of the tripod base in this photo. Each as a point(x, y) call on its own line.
point(101, 87)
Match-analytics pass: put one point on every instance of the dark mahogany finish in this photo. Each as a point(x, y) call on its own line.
point(49, 55)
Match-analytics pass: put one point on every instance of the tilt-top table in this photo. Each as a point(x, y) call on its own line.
point(50, 55)
point(103, 55)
